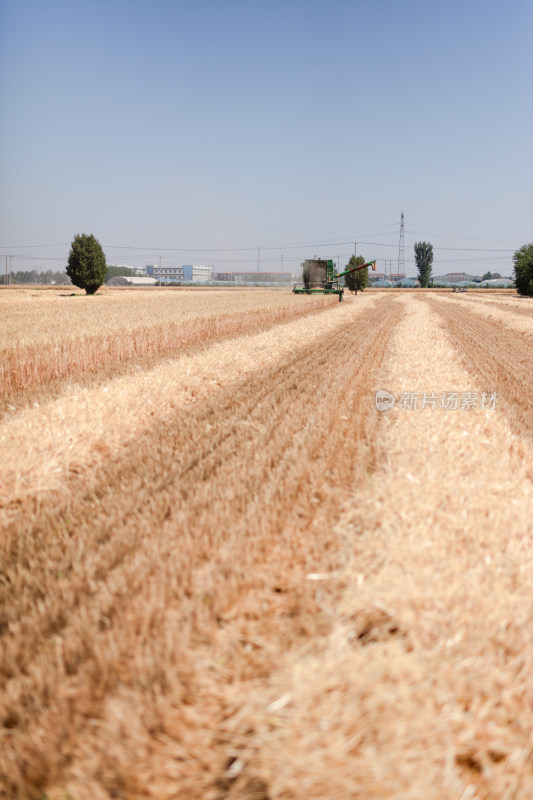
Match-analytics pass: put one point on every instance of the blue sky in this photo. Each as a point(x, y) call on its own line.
point(198, 131)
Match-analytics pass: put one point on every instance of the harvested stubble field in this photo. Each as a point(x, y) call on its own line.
point(225, 575)
point(59, 339)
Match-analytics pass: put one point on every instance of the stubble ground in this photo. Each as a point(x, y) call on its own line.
point(272, 590)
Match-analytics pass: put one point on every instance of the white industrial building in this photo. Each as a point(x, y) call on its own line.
point(128, 280)
point(135, 270)
point(164, 273)
point(195, 273)
point(255, 277)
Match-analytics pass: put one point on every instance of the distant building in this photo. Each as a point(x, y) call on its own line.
point(499, 283)
point(197, 273)
point(194, 273)
point(454, 278)
point(161, 273)
point(118, 280)
point(254, 277)
point(134, 270)
point(385, 276)
point(128, 280)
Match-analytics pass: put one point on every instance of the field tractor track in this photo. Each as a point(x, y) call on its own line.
point(34, 373)
point(500, 356)
point(149, 586)
point(521, 306)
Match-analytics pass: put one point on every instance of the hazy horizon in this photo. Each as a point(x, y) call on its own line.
point(200, 132)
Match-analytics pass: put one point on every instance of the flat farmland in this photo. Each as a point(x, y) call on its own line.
point(225, 574)
point(53, 337)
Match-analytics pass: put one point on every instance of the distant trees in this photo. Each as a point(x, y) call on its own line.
point(490, 276)
point(116, 272)
point(33, 276)
point(523, 269)
point(424, 262)
point(356, 280)
point(86, 263)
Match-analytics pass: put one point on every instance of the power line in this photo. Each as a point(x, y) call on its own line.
point(477, 249)
point(469, 230)
point(393, 225)
point(140, 254)
point(22, 246)
point(275, 258)
point(298, 245)
point(426, 233)
point(291, 247)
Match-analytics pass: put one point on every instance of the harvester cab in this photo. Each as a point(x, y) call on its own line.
point(319, 277)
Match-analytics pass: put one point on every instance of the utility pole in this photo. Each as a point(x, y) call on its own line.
point(10, 271)
point(401, 251)
point(259, 259)
point(282, 262)
point(355, 249)
point(5, 282)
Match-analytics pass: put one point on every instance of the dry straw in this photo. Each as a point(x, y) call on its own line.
point(424, 686)
point(42, 446)
point(273, 592)
point(97, 345)
point(137, 599)
point(512, 312)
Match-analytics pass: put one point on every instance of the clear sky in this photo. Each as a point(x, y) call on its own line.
point(197, 131)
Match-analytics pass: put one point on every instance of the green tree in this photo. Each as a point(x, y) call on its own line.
point(356, 280)
point(487, 276)
point(523, 269)
point(424, 261)
point(86, 263)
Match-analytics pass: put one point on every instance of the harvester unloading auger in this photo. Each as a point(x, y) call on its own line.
point(319, 277)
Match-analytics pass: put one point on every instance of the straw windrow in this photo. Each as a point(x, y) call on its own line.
point(230, 577)
point(423, 686)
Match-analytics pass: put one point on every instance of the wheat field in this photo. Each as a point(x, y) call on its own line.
point(224, 574)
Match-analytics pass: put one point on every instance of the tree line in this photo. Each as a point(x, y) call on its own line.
point(522, 259)
point(33, 276)
point(59, 278)
point(87, 268)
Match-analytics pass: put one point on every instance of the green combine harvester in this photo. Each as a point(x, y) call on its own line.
point(319, 277)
